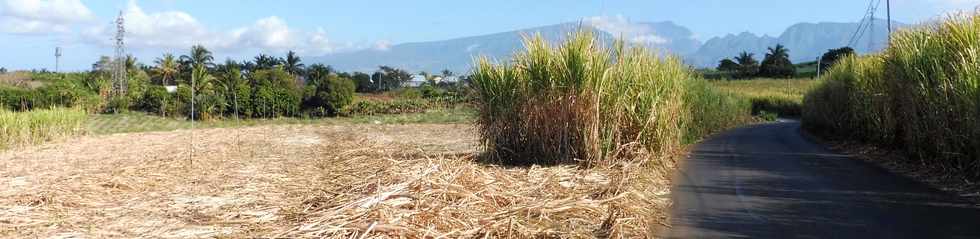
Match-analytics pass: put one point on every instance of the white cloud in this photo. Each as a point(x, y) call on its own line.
point(319, 43)
point(175, 30)
point(650, 39)
point(620, 26)
point(162, 29)
point(268, 33)
point(382, 45)
point(42, 16)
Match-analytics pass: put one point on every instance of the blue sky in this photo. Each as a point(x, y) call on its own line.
point(30, 29)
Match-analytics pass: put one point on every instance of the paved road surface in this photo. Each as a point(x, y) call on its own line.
point(767, 181)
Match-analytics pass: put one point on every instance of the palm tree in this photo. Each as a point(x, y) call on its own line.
point(203, 94)
point(317, 72)
point(292, 64)
point(447, 73)
point(778, 52)
point(265, 62)
point(746, 58)
point(167, 68)
point(202, 80)
point(777, 63)
point(727, 65)
point(131, 63)
point(747, 65)
point(198, 56)
point(233, 87)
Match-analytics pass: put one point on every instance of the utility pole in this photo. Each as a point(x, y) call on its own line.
point(888, 8)
point(871, 37)
point(819, 59)
point(57, 58)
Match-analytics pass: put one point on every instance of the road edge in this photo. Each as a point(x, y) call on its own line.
point(894, 162)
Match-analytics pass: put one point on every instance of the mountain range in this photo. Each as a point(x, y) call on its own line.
point(806, 42)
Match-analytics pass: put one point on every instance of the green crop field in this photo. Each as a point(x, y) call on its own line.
point(38, 126)
point(783, 97)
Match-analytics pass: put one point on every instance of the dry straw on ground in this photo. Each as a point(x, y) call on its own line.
point(314, 181)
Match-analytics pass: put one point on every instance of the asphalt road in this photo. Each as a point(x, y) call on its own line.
point(767, 181)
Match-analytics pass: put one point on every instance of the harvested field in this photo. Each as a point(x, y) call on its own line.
point(344, 180)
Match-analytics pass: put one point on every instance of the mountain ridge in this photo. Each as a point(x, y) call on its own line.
point(806, 41)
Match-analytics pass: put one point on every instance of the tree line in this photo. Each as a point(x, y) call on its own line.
point(194, 85)
point(775, 64)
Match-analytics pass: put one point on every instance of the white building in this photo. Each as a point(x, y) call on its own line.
point(416, 81)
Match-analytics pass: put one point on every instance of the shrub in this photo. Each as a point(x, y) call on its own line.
point(580, 102)
point(921, 95)
point(768, 116)
point(780, 106)
point(363, 82)
point(64, 93)
point(276, 94)
point(385, 107)
point(137, 85)
point(15, 98)
point(241, 99)
point(117, 104)
point(429, 91)
point(57, 93)
point(183, 99)
point(158, 101)
point(330, 96)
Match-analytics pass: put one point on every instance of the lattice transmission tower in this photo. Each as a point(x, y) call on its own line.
point(119, 77)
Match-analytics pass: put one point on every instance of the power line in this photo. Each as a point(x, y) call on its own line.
point(866, 25)
point(858, 30)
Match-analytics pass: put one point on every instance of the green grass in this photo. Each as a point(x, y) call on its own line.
point(921, 95)
point(711, 110)
point(579, 102)
point(432, 116)
point(806, 70)
point(133, 122)
point(783, 97)
point(38, 126)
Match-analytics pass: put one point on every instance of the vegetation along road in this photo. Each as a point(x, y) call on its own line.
point(767, 181)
